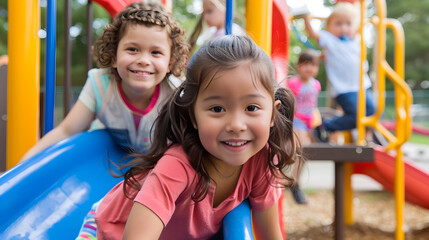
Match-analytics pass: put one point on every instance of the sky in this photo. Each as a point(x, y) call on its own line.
point(315, 7)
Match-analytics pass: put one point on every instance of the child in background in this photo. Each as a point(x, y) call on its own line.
point(214, 16)
point(306, 90)
point(217, 142)
point(136, 52)
point(342, 60)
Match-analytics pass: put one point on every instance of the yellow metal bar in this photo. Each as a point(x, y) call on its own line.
point(259, 22)
point(399, 195)
point(23, 79)
point(361, 103)
point(381, 52)
point(403, 101)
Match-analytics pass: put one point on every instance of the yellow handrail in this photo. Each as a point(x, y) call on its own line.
point(403, 99)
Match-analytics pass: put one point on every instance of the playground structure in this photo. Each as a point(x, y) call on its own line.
point(58, 204)
point(65, 196)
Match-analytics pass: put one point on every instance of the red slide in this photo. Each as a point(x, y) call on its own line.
point(383, 171)
point(279, 56)
point(113, 7)
point(391, 125)
point(280, 39)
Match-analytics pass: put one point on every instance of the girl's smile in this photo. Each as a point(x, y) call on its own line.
point(233, 115)
point(142, 61)
point(236, 145)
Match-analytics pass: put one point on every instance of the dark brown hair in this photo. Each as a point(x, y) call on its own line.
point(309, 56)
point(174, 125)
point(148, 14)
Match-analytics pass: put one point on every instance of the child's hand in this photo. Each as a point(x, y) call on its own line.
point(311, 33)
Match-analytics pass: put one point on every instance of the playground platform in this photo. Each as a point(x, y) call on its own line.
point(320, 174)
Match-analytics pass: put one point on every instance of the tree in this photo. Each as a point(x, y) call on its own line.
point(413, 16)
point(3, 28)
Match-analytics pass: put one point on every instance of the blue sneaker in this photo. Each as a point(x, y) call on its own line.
point(320, 134)
point(298, 194)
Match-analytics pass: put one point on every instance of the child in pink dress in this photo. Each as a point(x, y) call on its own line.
point(306, 90)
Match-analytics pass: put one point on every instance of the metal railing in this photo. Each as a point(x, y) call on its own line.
point(403, 99)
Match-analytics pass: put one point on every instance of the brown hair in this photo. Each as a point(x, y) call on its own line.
point(174, 125)
point(148, 14)
point(309, 56)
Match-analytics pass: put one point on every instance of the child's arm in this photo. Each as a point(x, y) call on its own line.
point(311, 33)
point(266, 223)
point(142, 224)
point(77, 120)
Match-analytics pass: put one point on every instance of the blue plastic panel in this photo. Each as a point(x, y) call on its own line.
point(47, 196)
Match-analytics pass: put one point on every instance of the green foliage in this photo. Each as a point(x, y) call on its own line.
point(3, 28)
point(419, 139)
point(413, 16)
point(78, 23)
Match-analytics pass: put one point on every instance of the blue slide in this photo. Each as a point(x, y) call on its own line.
point(47, 196)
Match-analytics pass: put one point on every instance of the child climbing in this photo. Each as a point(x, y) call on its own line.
point(214, 16)
point(342, 60)
point(136, 52)
point(306, 90)
point(224, 136)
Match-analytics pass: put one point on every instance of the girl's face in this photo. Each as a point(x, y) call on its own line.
point(213, 16)
point(233, 116)
point(341, 25)
point(142, 58)
point(308, 70)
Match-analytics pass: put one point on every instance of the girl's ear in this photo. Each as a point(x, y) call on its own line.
point(277, 104)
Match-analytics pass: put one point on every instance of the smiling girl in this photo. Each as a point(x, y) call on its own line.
point(137, 52)
point(223, 137)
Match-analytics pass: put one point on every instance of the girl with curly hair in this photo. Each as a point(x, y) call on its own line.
point(136, 54)
point(223, 137)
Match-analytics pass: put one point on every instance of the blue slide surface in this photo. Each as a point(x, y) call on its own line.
point(47, 196)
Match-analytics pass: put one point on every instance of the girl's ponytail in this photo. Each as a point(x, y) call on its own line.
point(283, 141)
point(287, 99)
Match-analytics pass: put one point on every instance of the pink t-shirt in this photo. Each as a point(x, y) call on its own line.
point(167, 191)
point(306, 97)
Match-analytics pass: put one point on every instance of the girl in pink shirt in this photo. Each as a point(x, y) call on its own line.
point(223, 137)
point(306, 90)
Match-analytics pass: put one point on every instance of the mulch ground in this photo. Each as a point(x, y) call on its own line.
point(374, 215)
